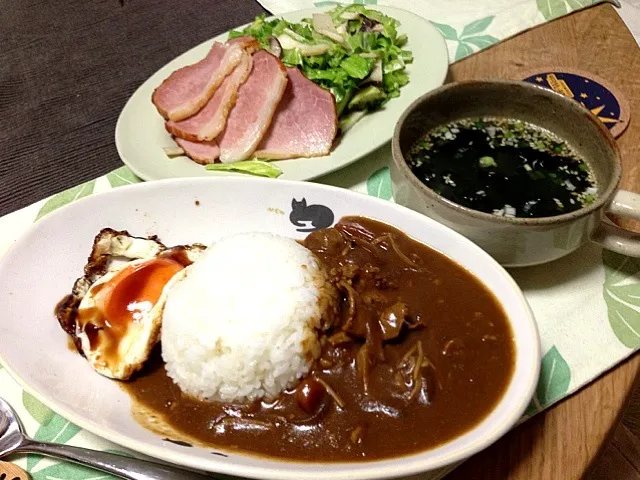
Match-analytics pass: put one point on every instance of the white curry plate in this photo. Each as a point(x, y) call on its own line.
point(43, 264)
point(141, 136)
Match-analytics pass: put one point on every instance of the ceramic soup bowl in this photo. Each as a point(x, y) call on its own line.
point(519, 241)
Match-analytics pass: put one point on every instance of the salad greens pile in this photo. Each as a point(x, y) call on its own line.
point(354, 52)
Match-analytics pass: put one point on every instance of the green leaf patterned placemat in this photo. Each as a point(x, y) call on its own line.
point(587, 307)
point(468, 25)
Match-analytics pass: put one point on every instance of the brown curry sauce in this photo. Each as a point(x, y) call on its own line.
point(439, 355)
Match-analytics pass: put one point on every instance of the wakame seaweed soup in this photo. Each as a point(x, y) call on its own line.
point(502, 166)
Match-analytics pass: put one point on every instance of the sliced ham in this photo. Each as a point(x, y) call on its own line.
point(210, 121)
point(200, 152)
point(255, 106)
point(247, 42)
point(305, 123)
point(188, 89)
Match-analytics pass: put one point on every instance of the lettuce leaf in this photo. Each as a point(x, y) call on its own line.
point(252, 167)
point(390, 24)
point(357, 66)
point(292, 57)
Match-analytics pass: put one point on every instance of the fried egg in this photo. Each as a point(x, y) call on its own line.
point(115, 311)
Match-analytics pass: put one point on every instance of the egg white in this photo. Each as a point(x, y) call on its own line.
point(135, 346)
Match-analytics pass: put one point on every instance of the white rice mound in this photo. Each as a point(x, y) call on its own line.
point(242, 323)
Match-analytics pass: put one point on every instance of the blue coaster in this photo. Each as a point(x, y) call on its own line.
point(592, 92)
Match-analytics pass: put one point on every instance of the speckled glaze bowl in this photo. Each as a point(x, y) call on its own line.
point(519, 241)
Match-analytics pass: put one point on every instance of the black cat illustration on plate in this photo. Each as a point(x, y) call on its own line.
point(310, 217)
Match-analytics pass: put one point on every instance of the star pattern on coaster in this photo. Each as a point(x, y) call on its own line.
point(592, 92)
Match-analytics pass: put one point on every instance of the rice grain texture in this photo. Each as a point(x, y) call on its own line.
point(243, 322)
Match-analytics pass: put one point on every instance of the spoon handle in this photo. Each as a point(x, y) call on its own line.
point(124, 467)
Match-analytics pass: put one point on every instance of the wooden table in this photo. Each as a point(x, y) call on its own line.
point(564, 441)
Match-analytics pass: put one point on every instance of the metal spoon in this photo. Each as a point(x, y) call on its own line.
point(13, 440)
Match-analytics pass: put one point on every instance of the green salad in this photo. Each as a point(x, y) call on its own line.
point(354, 52)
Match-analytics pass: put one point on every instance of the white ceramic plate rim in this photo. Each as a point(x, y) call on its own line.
point(428, 71)
point(277, 470)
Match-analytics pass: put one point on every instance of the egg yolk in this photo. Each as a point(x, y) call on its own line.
point(125, 299)
point(135, 290)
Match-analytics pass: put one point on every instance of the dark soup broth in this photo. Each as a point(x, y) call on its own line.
point(504, 167)
point(422, 352)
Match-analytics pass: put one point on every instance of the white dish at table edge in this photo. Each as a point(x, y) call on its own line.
point(140, 135)
point(43, 264)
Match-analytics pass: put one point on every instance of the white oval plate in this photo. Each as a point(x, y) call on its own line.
point(141, 136)
point(42, 266)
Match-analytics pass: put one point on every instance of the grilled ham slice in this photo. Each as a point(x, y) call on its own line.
point(187, 90)
point(305, 123)
point(211, 120)
point(200, 152)
point(255, 106)
point(247, 42)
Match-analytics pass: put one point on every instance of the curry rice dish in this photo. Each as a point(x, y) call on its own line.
point(358, 343)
